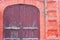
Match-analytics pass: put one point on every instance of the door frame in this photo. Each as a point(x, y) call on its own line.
point(37, 3)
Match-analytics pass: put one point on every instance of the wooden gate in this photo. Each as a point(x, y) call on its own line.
point(21, 22)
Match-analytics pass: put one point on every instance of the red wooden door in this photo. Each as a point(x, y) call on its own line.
point(21, 22)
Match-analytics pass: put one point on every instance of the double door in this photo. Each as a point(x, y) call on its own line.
point(21, 22)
